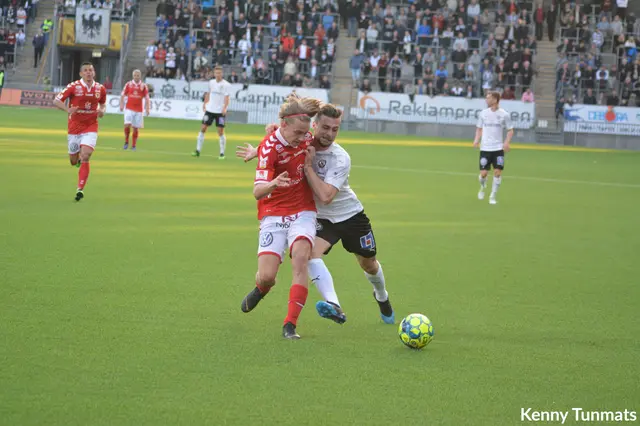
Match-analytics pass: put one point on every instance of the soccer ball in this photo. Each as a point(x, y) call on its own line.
point(416, 331)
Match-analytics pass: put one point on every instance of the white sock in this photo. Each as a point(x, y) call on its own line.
point(377, 281)
point(496, 184)
point(483, 181)
point(319, 274)
point(200, 141)
point(223, 144)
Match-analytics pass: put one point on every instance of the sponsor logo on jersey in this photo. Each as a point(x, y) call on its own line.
point(262, 174)
point(279, 148)
point(262, 163)
point(266, 239)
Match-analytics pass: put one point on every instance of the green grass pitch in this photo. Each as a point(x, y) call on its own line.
point(124, 309)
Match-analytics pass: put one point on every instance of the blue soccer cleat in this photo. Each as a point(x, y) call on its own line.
point(386, 311)
point(331, 311)
point(126, 145)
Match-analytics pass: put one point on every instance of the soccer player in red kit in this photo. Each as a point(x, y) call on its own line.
point(286, 208)
point(135, 91)
point(87, 102)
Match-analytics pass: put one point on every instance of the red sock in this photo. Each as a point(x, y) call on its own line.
point(126, 134)
point(83, 175)
point(135, 137)
point(264, 289)
point(297, 299)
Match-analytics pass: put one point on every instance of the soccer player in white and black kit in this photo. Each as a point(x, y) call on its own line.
point(340, 216)
point(492, 123)
point(216, 102)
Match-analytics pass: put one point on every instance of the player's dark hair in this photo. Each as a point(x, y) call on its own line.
point(495, 95)
point(329, 110)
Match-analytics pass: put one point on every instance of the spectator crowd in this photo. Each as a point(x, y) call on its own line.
point(444, 47)
point(598, 60)
point(292, 44)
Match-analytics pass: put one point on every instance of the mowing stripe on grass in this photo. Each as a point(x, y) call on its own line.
point(240, 137)
point(399, 170)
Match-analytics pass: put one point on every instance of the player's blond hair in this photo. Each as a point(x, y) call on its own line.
point(217, 68)
point(297, 108)
point(329, 110)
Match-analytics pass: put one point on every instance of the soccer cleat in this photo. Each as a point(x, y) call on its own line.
point(133, 149)
point(195, 153)
point(251, 300)
point(492, 199)
point(221, 157)
point(481, 194)
point(331, 311)
point(289, 332)
point(126, 145)
point(386, 311)
point(79, 195)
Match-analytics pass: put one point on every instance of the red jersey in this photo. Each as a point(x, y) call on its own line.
point(276, 156)
point(135, 93)
point(87, 99)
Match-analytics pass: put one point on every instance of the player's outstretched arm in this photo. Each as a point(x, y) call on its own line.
point(261, 190)
point(247, 152)
point(322, 190)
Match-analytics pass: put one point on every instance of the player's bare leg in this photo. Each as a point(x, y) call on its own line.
point(268, 265)
point(483, 183)
point(495, 185)
point(319, 275)
point(373, 271)
point(83, 173)
point(200, 141)
point(127, 131)
point(223, 142)
point(74, 159)
point(300, 253)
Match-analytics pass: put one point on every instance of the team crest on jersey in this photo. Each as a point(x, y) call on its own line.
point(322, 163)
point(263, 163)
point(367, 242)
point(97, 94)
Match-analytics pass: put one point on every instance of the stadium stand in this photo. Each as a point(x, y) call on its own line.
point(456, 48)
point(280, 43)
point(598, 60)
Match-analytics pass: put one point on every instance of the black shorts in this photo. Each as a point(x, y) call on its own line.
point(492, 158)
point(211, 117)
point(356, 235)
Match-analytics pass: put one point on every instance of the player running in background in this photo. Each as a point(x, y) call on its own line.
point(216, 102)
point(340, 216)
point(286, 209)
point(135, 91)
point(489, 132)
point(87, 102)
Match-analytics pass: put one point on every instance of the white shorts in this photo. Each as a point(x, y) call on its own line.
point(279, 232)
point(87, 139)
point(134, 118)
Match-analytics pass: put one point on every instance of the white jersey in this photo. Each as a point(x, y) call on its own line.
point(333, 166)
point(493, 124)
point(217, 93)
